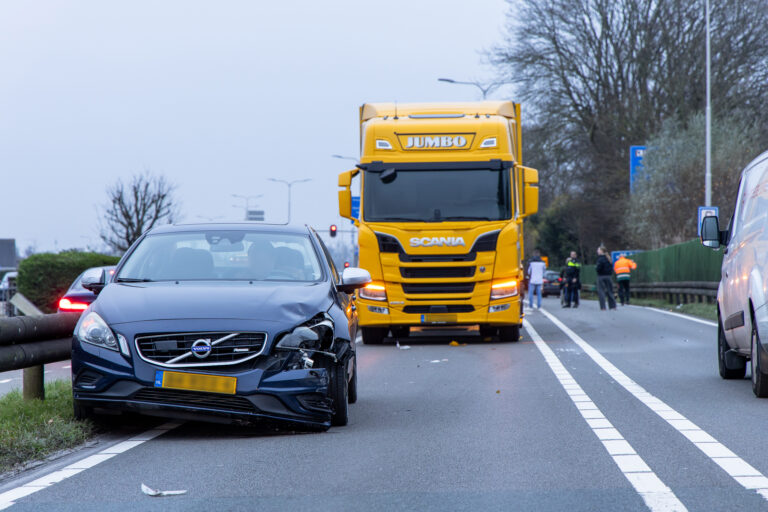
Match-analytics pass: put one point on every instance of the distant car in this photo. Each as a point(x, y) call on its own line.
point(552, 282)
point(77, 298)
point(221, 322)
point(742, 305)
point(5, 285)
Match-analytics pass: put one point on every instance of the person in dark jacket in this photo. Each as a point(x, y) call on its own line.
point(572, 281)
point(604, 271)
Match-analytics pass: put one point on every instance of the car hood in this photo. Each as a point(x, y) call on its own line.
point(265, 301)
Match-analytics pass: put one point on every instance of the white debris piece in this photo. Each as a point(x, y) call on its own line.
point(154, 492)
point(402, 347)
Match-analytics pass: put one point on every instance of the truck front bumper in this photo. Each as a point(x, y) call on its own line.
point(383, 314)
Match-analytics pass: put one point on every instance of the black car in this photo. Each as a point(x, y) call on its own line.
point(77, 299)
point(221, 322)
point(552, 281)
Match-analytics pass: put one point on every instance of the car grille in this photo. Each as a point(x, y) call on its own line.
point(431, 272)
point(449, 308)
point(175, 349)
point(411, 288)
point(195, 399)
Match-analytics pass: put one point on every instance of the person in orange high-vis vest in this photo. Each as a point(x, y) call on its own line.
point(622, 268)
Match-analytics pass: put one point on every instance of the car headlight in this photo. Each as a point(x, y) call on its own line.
point(310, 335)
point(503, 289)
point(94, 330)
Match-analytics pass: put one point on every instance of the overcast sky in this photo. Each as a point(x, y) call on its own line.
point(217, 96)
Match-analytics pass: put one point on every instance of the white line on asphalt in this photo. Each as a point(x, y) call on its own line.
point(9, 498)
point(66, 367)
point(5, 381)
point(656, 495)
point(679, 315)
point(737, 468)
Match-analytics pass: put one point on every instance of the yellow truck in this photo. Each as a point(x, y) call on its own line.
point(443, 198)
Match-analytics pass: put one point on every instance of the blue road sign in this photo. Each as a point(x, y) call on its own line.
point(615, 255)
point(636, 154)
point(706, 211)
point(355, 208)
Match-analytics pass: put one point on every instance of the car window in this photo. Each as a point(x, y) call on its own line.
point(223, 255)
point(334, 272)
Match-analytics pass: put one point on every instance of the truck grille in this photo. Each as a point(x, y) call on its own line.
point(449, 308)
point(411, 288)
point(428, 272)
point(431, 258)
point(176, 349)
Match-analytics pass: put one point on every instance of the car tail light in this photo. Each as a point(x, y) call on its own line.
point(67, 305)
point(545, 281)
point(559, 279)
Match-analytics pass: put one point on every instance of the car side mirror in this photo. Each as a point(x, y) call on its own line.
point(94, 280)
point(711, 235)
point(353, 278)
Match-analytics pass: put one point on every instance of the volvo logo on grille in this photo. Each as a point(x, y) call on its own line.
point(201, 348)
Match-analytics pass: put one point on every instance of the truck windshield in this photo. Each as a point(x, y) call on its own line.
point(437, 196)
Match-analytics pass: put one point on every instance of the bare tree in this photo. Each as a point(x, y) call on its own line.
point(600, 75)
point(133, 209)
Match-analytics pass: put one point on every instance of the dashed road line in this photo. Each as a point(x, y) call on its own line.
point(9, 498)
point(656, 495)
point(5, 381)
point(679, 315)
point(737, 468)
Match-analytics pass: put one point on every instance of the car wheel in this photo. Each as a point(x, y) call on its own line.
point(374, 335)
point(509, 333)
point(759, 378)
point(352, 389)
point(722, 348)
point(337, 390)
point(80, 411)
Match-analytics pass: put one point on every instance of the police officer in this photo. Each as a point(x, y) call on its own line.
point(572, 281)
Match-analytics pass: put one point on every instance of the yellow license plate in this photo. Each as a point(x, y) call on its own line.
point(196, 382)
point(438, 319)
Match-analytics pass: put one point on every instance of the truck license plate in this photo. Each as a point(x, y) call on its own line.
point(438, 319)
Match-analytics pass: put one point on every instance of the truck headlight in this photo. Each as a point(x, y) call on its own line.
point(373, 291)
point(504, 289)
point(94, 330)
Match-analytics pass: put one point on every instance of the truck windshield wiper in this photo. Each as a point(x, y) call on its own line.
point(465, 218)
point(398, 219)
point(133, 280)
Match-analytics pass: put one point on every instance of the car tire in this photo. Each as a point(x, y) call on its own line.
point(487, 331)
point(510, 334)
point(352, 388)
point(759, 377)
point(374, 335)
point(337, 390)
point(80, 411)
point(722, 348)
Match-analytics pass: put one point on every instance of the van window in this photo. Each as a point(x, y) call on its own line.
point(753, 207)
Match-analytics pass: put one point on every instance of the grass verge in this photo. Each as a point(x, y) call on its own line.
point(700, 310)
point(33, 429)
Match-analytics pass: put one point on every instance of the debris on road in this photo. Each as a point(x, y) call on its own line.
point(455, 343)
point(155, 492)
point(402, 347)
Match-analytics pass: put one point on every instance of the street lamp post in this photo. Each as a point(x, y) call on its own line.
point(485, 89)
point(708, 136)
point(247, 200)
point(345, 157)
point(289, 184)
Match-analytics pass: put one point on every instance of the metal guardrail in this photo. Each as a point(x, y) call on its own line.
point(681, 292)
point(28, 342)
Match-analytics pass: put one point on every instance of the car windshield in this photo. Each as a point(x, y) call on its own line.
point(222, 255)
point(436, 195)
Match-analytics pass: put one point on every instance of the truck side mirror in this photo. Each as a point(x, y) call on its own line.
point(530, 191)
point(711, 236)
point(345, 195)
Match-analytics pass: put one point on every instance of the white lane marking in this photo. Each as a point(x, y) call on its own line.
point(679, 315)
point(656, 495)
point(9, 498)
point(66, 367)
point(738, 469)
point(5, 381)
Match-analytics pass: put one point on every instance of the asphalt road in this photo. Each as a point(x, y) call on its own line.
point(617, 410)
point(54, 371)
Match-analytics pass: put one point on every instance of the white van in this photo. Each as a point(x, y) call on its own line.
point(742, 311)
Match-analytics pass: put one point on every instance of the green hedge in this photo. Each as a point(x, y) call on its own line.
point(688, 261)
point(44, 278)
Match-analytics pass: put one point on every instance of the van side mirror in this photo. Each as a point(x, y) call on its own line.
point(530, 191)
point(94, 280)
point(711, 236)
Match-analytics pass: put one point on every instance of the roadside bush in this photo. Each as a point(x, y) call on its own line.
point(45, 277)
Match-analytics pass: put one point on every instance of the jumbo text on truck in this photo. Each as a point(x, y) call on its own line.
point(443, 198)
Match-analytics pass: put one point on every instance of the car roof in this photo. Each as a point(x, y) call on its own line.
point(231, 226)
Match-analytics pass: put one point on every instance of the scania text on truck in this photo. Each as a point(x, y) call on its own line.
point(443, 198)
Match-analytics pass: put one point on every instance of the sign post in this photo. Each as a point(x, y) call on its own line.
point(636, 154)
point(706, 211)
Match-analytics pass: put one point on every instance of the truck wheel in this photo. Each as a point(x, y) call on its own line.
point(759, 378)
point(511, 334)
point(374, 335)
point(401, 331)
point(722, 348)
